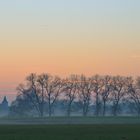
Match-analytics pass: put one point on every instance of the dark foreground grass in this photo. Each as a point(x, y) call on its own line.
point(70, 132)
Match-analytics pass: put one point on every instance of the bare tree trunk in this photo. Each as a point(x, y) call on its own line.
point(85, 110)
point(97, 105)
point(41, 110)
point(49, 100)
point(69, 109)
point(104, 108)
point(115, 109)
point(50, 111)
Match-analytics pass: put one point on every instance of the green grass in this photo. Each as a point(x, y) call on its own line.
point(70, 132)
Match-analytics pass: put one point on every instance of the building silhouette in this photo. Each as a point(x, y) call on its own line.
point(4, 108)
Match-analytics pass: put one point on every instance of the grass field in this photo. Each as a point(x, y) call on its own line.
point(70, 132)
point(73, 128)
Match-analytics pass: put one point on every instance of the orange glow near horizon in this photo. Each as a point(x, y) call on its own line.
point(17, 62)
point(64, 58)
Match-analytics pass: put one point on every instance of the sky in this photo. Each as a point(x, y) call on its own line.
point(63, 37)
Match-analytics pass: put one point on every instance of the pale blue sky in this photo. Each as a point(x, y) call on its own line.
point(74, 19)
point(93, 13)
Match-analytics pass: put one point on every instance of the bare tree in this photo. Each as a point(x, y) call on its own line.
point(41, 84)
point(40, 90)
point(106, 89)
point(53, 87)
point(70, 90)
point(31, 91)
point(119, 90)
point(134, 94)
point(85, 91)
point(97, 82)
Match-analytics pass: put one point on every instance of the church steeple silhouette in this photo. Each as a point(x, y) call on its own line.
point(4, 108)
point(5, 102)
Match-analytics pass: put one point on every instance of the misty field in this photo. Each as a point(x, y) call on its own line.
point(70, 132)
point(69, 120)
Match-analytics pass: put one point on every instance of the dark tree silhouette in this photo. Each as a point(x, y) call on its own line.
point(119, 90)
point(134, 94)
point(106, 92)
point(85, 92)
point(41, 94)
point(70, 90)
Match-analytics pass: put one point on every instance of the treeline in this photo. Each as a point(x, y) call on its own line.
point(47, 95)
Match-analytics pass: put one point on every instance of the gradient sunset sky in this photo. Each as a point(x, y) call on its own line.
point(65, 37)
